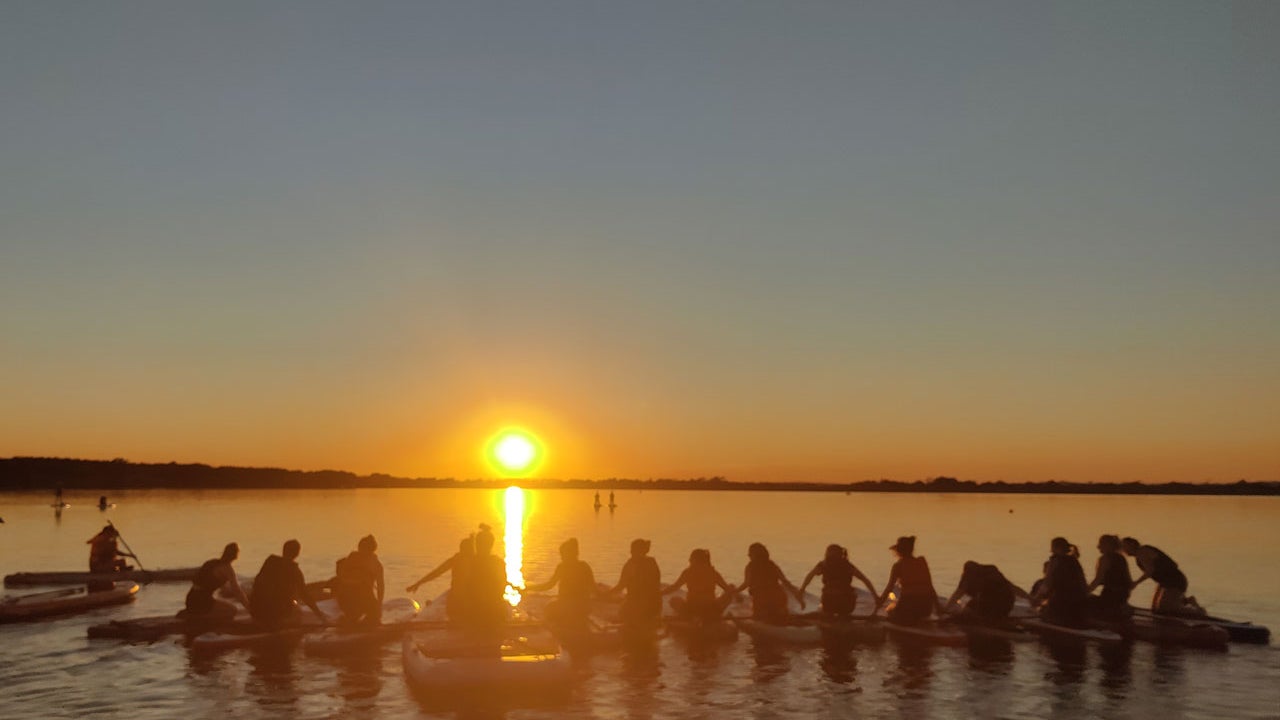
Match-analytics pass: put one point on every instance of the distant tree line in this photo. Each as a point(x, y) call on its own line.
point(33, 473)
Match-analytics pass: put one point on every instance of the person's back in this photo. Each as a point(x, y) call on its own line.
point(272, 599)
point(359, 585)
point(642, 581)
point(1066, 591)
point(577, 585)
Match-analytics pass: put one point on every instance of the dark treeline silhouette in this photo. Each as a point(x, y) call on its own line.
point(31, 473)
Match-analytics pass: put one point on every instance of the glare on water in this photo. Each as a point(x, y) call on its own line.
point(513, 541)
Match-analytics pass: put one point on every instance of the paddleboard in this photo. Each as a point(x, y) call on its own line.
point(63, 602)
point(1051, 630)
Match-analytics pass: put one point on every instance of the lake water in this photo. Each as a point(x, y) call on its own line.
point(1226, 546)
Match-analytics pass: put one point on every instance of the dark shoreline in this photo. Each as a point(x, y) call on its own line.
point(27, 473)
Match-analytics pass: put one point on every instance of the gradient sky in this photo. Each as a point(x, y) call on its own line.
point(764, 240)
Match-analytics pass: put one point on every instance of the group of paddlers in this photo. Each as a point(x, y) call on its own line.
point(1063, 595)
point(278, 589)
point(478, 592)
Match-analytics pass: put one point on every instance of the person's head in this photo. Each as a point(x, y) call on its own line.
point(835, 553)
point(467, 545)
point(700, 557)
point(367, 544)
point(1060, 546)
point(292, 548)
point(639, 547)
point(484, 540)
point(1109, 544)
point(970, 566)
point(569, 550)
point(110, 531)
point(230, 552)
point(1130, 545)
point(757, 552)
point(905, 547)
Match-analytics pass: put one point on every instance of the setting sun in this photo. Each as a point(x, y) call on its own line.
point(514, 452)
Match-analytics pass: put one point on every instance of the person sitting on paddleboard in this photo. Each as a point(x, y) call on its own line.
point(1112, 574)
point(104, 552)
point(642, 580)
point(916, 597)
point(277, 589)
point(212, 576)
point(700, 602)
point(838, 596)
point(991, 595)
point(457, 566)
point(1171, 592)
point(768, 586)
point(486, 585)
point(572, 606)
point(359, 585)
point(1064, 594)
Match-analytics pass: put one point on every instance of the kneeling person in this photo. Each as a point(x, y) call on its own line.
point(277, 589)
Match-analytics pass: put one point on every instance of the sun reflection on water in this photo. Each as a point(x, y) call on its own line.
point(513, 542)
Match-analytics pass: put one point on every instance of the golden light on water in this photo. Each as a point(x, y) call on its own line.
point(514, 452)
point(513, 541)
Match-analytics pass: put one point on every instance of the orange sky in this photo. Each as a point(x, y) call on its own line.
point(835, 244)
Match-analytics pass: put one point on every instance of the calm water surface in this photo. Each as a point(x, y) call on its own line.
point(1226, 546)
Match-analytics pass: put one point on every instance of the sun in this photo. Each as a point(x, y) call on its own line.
point(514, 452)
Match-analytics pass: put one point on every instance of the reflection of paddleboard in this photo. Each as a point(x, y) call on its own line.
point(1062, 631)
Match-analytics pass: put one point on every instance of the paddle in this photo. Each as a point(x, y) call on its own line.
point(126, 546)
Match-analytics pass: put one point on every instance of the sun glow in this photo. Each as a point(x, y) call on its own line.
point(513, 542)
point(514, 452)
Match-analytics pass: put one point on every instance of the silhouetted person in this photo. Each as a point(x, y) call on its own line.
point(700, 602)
point(212, 576)
point(278, 588)
point(598, 504)
point(572, 606)
point(458, 565)
point(105, 556)
point(1064, 594)
point(486, 584)
point(1112, 575)
point(102, 503)
point(642, 580)
point(767, 584)
point(1171, 591)
point(916, 597)
point(359, 585)
point(990, 593)
point(838, 596)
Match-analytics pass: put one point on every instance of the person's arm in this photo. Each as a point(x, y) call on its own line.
point(1098, 571)
point(783, 577)
point(865, 581)
point(542, 587)
point(440, 570)
point(679, 583)
point(817, 570)
point(380, 583)
point(231, 582)
point(300, 590)
point(1145, 573)
point(888, 586)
